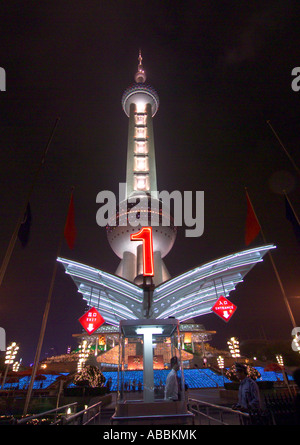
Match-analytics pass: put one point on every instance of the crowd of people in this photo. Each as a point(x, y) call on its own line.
point(133, 386)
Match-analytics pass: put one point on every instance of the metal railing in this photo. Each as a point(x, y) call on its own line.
point(282, 409)
point(85, 417)
point(154, 417)
point(52, 412)
point(68, 417)
point(235, 417)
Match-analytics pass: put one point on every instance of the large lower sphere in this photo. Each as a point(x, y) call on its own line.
point(163, 235)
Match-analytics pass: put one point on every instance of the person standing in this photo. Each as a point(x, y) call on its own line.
point(248, 396)
point(172, 388)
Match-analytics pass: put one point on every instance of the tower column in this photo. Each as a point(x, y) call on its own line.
point(151, 153)
point(157, 268)
point(129, 266)
point(139, 265)
point(130, 150)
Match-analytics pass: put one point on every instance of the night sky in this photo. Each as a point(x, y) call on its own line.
point(221, 70)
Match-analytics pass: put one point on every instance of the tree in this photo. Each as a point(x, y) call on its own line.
point(89, 376)
point(252, 372)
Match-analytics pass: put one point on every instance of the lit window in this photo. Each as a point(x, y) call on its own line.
point(140, 132)
point(141, 164)
point(140, 119)
point(141, 147)
point(141, 183)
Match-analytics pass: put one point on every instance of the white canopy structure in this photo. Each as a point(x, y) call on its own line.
point(186, 296)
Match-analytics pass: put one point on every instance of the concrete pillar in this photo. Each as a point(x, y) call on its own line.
point(148, 373)
point(129, 266)
point(119, 271)
point(165, 273)
point(157, 279)
point(139, 260)
point(139, 265)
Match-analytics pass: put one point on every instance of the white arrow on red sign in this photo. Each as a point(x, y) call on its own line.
point(91, 320)
point(224, 308)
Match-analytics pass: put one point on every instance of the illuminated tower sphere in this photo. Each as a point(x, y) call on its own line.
point(140, 103)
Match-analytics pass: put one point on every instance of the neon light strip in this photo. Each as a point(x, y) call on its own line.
point(216, 262)
point(199, 295)
point(96, 298)
point(196, 310)
point(189, 315)
point(122, 282)
point(117, 312)
point(202, 277)
point(122, 309)
point(118, 291)
point(190, 305)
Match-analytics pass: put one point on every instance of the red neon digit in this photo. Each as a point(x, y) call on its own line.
point(145, 235)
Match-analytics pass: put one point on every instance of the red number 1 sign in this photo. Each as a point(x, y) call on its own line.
point(145, 235)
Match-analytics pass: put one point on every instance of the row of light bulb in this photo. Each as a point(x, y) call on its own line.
point(11, 353)
point(279, 360)
point(220, 360)
point(233, 345)
point(83, 355)
point(16, 366)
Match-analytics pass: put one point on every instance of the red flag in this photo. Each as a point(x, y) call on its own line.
point(252, 224)
point(70, 228)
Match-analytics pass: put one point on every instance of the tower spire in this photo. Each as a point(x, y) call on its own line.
point(140, 75)
point(140, 57)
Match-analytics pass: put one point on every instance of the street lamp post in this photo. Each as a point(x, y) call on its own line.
point(10, 355)
point(234, 347)
point(220, 360)
point(280, 362)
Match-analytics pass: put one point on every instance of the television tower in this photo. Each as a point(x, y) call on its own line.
point(140, 103)
point(127, 295)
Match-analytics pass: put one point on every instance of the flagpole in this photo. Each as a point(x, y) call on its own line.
point(276, 271)
point(293, 210)
point(284, 149)
point(14, 236)
point(44, 323)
